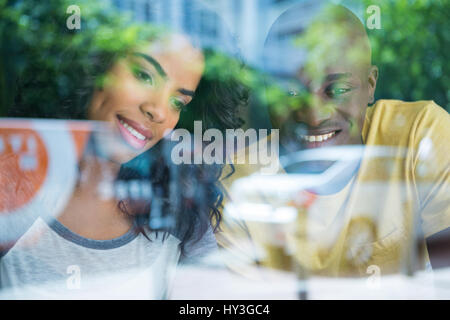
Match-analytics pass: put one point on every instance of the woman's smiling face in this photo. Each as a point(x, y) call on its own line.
point(143, 94)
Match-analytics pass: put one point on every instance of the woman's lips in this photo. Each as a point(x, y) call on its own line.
point(134, 133)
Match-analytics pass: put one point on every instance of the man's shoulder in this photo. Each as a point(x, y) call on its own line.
point(411, 109)
point(394, 120)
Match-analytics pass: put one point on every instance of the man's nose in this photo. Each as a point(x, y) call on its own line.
point(314, 113)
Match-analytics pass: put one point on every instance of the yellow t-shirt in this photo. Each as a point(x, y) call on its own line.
point(399, 196)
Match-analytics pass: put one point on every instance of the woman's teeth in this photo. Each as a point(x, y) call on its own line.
point(318, 138)
point(132, 130)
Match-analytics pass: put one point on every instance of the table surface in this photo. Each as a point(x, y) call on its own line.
point(211, 283)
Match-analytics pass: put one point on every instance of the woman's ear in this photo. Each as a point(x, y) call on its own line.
point(373, 77)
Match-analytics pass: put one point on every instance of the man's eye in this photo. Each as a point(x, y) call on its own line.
point(177, 103)
point(335, 92)
point(142, 76)
point(293, 93)
point(297, 90)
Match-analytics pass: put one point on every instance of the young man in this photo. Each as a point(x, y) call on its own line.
point(386, 206)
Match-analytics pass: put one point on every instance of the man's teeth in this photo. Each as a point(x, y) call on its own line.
point(318, 138)
point(132, 130)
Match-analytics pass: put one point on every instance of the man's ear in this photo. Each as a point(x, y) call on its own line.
point(373, 77)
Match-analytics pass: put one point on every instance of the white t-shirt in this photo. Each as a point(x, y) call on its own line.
point(50, 261)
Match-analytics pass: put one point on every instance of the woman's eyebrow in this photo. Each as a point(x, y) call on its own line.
point(186, 92)
point(153, 62)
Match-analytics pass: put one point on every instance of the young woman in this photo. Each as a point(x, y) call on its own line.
point(105, 247)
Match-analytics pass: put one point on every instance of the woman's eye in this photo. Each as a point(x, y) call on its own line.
point(142, 76)
point(177, 103)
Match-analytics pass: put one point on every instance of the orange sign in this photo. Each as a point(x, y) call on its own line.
point(23, 166)
point(25, 157)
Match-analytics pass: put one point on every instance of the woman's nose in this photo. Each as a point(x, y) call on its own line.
point(154, 112)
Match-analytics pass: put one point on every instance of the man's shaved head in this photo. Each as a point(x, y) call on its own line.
point(320, 54)
point(323, 33)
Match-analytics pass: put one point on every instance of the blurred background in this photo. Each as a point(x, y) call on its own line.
point(411, 48)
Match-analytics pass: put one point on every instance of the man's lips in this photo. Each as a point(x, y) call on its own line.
point(319, 138)
point(134, 133)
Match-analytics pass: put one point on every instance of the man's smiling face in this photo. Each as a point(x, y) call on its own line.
point(328, 92)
